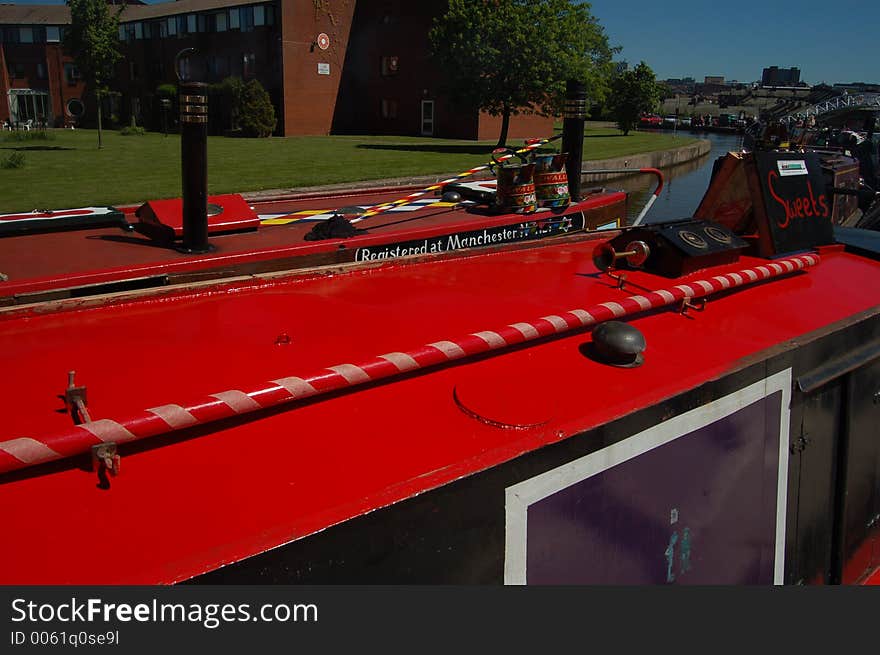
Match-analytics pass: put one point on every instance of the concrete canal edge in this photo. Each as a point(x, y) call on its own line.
point(657, 159)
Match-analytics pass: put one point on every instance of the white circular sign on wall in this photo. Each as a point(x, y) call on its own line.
point(323, 41)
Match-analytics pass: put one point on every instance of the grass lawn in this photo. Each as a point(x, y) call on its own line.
point(67, 170)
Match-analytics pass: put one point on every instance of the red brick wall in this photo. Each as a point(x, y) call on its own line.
point(395, 28)
point(29, 55)
point(310, 98)
point(524, 126)
point(399, 28)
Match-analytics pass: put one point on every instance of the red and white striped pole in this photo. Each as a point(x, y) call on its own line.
point(29, 451)
point(654, 194)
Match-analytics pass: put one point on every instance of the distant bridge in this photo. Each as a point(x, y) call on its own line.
point(854, 101)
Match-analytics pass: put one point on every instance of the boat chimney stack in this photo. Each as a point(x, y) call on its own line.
point(573, 135)
point(194, 157)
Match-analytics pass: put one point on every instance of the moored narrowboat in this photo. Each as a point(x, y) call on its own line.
point(688, 401)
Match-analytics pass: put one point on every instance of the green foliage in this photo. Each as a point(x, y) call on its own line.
point(14, 160)
point(514, 56)
point(257, 116)
point(132, 130)
point(92, 39)
point(29, 135)
point(230, 96)
point(633, 92)
point(168, 91)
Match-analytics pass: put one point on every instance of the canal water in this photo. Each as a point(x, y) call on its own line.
point(684, 185)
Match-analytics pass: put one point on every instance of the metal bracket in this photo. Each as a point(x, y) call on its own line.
point(105, 459)
point(76, 400)
point(698, 306)
point(620, 279)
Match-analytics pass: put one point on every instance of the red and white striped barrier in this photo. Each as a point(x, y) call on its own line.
point(378, 209)
point(27, 451)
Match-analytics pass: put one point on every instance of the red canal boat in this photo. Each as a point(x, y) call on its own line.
point(445, 394)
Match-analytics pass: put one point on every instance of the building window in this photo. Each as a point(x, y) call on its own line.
point(218, 66)
point(246, 14)
point(233, 19)
point(42, 73)
point(191, 26)
point(171, 27)
point(389, 66)
point(71, 74)
point(16, 71)
point(39, 34)
point(389, 108)
point(26, 34)
point(270, 14)
point(75, 107)
point(123, 33)
point(259, 15)
point(220, 21)
point(11, 35)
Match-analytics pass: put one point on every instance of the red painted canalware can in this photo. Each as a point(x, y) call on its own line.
point(516, 189)
point(551, 180)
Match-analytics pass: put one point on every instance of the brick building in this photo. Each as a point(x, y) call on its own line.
point(37, 81)
point(342, 66)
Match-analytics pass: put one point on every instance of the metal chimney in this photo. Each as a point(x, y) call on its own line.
point(573, 135)
point(194, 160)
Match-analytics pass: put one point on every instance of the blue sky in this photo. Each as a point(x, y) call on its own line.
point(830, 41)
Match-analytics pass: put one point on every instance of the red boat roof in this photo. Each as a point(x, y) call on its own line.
point(214, 495)
point(42, 262)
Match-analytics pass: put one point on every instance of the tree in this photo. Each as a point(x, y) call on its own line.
point(257, 115)
point(633, 92)
point(232, 90)
point(92, 39)
point(508, 57)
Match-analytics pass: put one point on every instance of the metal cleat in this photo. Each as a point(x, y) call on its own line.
point(698, 306)
point(75, 399)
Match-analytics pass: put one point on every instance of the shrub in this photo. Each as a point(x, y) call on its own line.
point(14, 160)
point(132, 130)
point(257, 113)
point(166, 91)
point(29, 135)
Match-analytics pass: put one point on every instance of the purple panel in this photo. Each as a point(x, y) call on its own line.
point(698, 510)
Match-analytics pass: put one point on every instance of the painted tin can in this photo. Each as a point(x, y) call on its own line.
point(551, 181)
point(516, 189)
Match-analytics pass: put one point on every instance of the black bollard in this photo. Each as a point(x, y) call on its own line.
point(194, 162)
point(573, 135)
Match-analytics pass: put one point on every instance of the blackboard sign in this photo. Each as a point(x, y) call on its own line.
point(796, 205)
